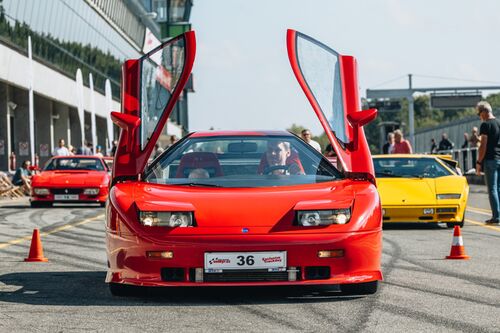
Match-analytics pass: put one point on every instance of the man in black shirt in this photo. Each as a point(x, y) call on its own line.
point(445, 143)
point(489, 157)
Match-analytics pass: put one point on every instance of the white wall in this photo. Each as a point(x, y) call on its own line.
point(47, 82)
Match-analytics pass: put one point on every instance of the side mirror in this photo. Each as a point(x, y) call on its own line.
point(129, 123)
point(361, 118)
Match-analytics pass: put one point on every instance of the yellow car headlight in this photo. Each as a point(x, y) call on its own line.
point(448, 196)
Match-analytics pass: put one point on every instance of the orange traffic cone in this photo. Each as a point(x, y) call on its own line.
point(36, 249)
point(457, 246)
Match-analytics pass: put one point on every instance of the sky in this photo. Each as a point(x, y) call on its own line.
point(243, 79)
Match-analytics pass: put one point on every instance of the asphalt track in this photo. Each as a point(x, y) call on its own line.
point(421, 291)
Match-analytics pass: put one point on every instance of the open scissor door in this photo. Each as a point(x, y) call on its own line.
point(151, 86)
point(329, 81)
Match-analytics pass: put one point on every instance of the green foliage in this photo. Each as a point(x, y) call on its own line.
point(65, 56)
point(494, 100)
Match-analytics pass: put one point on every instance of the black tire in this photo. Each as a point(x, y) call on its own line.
point(122, 290)
point(365, 288)
point(40, 204)
point(453, 224)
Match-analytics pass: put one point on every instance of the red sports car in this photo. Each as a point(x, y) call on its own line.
point(71, 179)
point(243, 208)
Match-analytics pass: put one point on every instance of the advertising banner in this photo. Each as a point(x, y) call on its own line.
point(24, 148)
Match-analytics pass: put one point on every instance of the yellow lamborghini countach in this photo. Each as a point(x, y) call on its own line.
point(421, 188)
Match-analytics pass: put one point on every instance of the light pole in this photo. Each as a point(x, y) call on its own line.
point(411, 113)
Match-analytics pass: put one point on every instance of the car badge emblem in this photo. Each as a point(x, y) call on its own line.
point(244, 230)
point(66, 191)
point(67, 181)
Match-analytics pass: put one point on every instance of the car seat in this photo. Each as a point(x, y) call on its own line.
point(196, 160)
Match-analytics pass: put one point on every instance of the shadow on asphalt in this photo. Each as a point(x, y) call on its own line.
point(88, 288)
point(413, 226)
point(61, 206)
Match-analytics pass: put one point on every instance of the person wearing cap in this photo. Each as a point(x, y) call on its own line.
point(98, 151)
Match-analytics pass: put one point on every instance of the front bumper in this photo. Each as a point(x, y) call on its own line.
point(441, 213)
point(361, 261)
point(101, 197)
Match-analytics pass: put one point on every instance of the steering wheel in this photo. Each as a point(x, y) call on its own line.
point(270, 169)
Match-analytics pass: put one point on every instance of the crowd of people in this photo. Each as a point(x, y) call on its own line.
point(396, 144)
point(86, 149)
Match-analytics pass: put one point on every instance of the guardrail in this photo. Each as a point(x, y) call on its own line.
point(466, 158)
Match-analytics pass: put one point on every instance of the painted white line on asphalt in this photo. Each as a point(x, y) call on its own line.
point(52, 231)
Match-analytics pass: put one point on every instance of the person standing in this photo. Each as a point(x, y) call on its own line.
point(445, 144)
point(433, 146)
point(86, 149)
point(158, 150)
point(465, 148)
point(389, 145)
point(307, 137)
point(474, 140)
point(61, 150)
point(115, 146)
point(173, 140)
point(401, 146)
point(488, 158)
point(98, 151)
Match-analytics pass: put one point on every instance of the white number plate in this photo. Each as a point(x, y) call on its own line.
point(216, 262)
point(66, 197)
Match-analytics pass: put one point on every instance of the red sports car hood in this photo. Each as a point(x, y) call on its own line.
point(229, 207)
point(71, 178)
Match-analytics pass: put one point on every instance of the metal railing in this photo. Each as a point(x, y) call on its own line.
point(466, 158)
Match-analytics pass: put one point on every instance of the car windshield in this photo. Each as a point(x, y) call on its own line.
point(75, 164)
point(409, 168)
point(241, 161)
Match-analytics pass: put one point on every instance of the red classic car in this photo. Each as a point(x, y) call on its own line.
point(71, 179)
point(243, 208)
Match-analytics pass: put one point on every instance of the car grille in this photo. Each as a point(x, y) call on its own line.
point(446, 210)
point(66, 190)
point(245, 276)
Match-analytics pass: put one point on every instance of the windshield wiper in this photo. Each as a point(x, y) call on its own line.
point(196, 184)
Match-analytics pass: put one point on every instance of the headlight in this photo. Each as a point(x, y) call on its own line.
point(91, 191)
point(41, 191)
point(166, 219)
point(449, 196)
point(311, 218)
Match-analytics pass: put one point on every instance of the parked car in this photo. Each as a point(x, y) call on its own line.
point(243, 208)
point(421, 188)
point(71, 179)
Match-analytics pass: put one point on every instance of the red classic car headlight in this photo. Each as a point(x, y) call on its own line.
point(312, 218)
point(41, 191)
point(166, 219)
point(91, 191)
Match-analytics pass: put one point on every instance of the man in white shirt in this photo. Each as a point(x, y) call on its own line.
point(61, 150)
point(306, 136)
